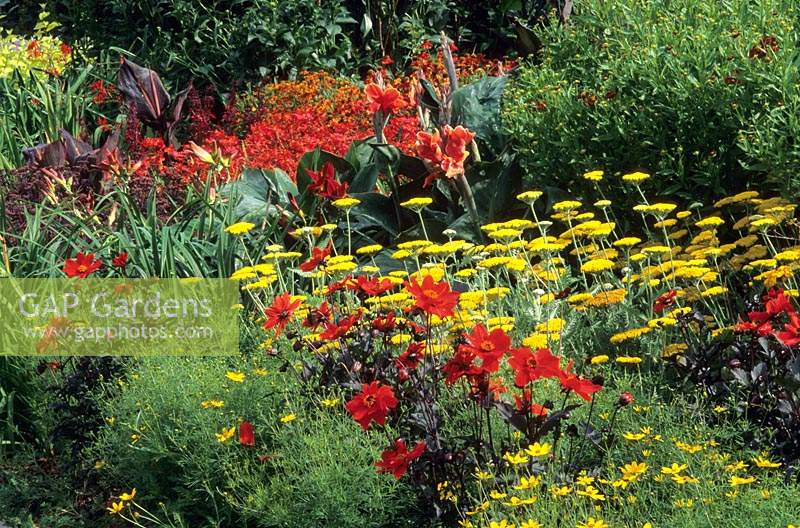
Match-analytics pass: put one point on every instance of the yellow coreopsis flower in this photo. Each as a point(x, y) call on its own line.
point(225, 435)
point(235, 376)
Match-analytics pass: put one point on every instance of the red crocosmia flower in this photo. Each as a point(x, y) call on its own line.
point(461, 364)
point(384, 324)
point(434, 298)
point(335, 331)
point(82, 265)
point(279, 313)
point(121, 260)
point(791, 331)
point(318, 256)
point(386, 100)
point(396, 460)
point(324, 183)
point(387, 60)
point(487, 346)
point(664, 300)
point(246, 435)
point(66, 49)
point(318, 316)
point(373, 404)
point(529, 366)
point(580, 386)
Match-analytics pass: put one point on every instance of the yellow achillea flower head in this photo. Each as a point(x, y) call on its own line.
point(239, 228)
point(595, 175)
point(597, 266)
point(529, 196)
point(417, 204)
point(635, 177)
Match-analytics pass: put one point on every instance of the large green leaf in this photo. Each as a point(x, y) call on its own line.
point(257, 190)
point(477, 106)
point(375, 210)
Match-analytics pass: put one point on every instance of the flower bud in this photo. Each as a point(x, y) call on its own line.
point(626, 398)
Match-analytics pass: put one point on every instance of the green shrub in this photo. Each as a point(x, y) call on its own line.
point(673, 87)
point(218, 41)
point(313, 471)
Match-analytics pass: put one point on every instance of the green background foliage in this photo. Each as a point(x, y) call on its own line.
point(667, 87)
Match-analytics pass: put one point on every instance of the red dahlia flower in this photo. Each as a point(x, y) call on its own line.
point(396, 460)
point(318, 256)
point(246, 435)
point(384, 324)
point(411, 357)
point(386, 100)
point(370, 286)
point(487, 346)
point(529, 366)
point(318, 316)
point(461, 364)
point(791, 331)
point(279, 313)
point(334, 331)
point(121, 260)
point(374, 403)
point(434, 298)
point(664, 300)
point(82, 265)
point(580, 386)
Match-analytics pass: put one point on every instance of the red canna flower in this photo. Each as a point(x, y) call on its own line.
point(324, 183)
point(318, 256)
point(529, 366)
point(396, 460)
point(664, 300)
point(82, 265)
point(386, 100)
point(487, 346)
point(580, 386)
point(373, 404)
point(434, 298)
point(279, 313)
point(429, 146)
point(791, 331)
point(246, 434)
point(121, 260)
